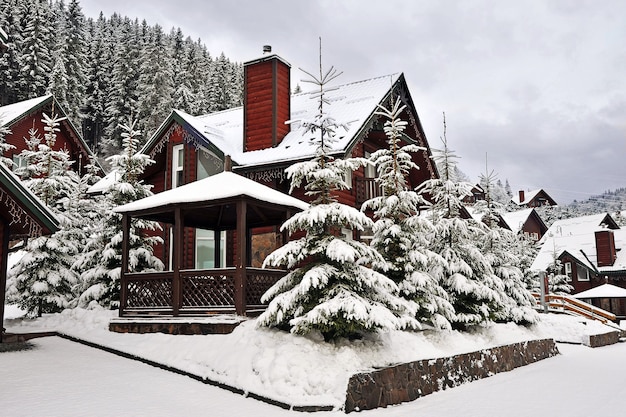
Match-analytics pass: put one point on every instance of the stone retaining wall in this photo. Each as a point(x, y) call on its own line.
point(598, 340)
point(409, 381)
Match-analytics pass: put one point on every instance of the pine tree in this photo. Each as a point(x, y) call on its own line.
point(5, 147)
point(332, 289)
point(516, 303)
point(10, 66)
point(466, 274)
point(400, 234)
point(42, 280)
point(100, 263)
point(36, 62)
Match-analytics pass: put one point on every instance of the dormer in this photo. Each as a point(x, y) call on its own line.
point(266, 101)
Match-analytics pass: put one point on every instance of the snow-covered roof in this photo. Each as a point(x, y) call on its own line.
point(350, 104)
point(12, 112)
point(30, 201)
point(575, 235)
point(515, 220)
point(104, 183)
point(602, 291)
point(528, 197)
point(220, 186)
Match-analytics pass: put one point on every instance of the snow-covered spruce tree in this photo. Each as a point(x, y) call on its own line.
point(466, 274)
point(330, 287)
point(5, 147)
point(558, 283)
point(101, 260)
point(42, 280)
point(400, 234)
point(516, 301)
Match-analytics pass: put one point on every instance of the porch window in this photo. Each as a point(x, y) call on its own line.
point(178, 164)
point(205, 249)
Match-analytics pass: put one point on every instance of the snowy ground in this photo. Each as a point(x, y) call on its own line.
point(62, 375)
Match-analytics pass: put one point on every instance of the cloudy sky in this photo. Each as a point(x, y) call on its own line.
point(536, 87)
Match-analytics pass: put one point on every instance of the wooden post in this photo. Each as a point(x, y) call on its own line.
point(240, 258)
point(124, 269)
point(177, 245)
point(4, 235)
point(217, 246)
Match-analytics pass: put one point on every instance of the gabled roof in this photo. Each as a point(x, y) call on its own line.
point(603, 291)
point(530, 196)
point(515, 220)
point(578, 234)
point(28, 201)
point(351, 104)
point(12, 113)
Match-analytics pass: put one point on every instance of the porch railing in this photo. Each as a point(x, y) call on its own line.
point(202, 291)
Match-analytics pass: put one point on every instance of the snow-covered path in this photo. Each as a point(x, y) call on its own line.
point(63, 378)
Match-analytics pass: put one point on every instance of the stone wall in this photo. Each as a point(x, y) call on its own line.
point(598, 340)
point(409, 381)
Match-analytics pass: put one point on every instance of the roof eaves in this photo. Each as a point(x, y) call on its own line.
point(28, 199)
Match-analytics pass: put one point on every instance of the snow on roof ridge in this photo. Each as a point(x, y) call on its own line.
point(11, 112)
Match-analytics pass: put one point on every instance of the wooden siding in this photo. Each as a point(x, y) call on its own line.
point(19, 132)
point(266, 104)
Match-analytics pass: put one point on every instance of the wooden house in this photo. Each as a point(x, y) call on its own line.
point(526, 221)
point(590, 249)
point(20, 117)
point(22, 215)
point(534, 198)
point(262, 144)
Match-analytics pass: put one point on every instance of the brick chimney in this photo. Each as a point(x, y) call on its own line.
point(605, 248)
point(522, 197)
point(266, 101)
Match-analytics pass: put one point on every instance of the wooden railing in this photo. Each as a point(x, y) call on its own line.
point(202, 291)
point(366, 188)
point(570, 304)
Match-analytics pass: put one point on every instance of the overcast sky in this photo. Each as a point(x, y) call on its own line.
point(537, 86)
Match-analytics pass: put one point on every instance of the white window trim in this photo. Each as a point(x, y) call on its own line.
point(568, 270)
point(176, 168)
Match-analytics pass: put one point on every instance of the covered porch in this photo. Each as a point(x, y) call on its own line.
point(223, 202)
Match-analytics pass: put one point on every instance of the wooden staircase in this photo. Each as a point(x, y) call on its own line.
point(571, 305)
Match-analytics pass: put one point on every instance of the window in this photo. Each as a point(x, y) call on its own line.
point(205, 249)
point(347, 233)
point(582, 273)
point(568, 270)
point(19, 162)
point(178, 163)
point(347, 177)
point(208, 164)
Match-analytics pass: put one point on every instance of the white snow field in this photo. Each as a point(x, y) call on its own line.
point(63, 378)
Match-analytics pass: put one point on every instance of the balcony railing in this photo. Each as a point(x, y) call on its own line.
point(201, 291)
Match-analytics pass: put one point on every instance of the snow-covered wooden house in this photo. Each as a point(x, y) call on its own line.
point(25, 115)
point(590, 249)
point(526, 221)
point(262, 144)
point(212, 263)
point(22, 215)
point(533, 198)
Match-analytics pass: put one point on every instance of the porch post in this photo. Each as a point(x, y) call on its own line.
point(124, 269)
point(217, 245)
point(240, 258)
point(4, 231)
point(177, 246)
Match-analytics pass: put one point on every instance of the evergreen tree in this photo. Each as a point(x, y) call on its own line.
point(400, 234)
point(100, 263)
point(42, 280)
point(36, 59)
point(10, 66)
point(466, 274)
point(5, 147)
point(516, 302)
point(332, 289)
point(155, 88)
